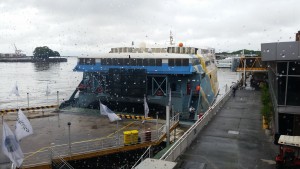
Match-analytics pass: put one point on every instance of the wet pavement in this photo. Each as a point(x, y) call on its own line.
point(234, 139)
point(86, 124)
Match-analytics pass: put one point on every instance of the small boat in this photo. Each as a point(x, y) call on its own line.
point(123, 77)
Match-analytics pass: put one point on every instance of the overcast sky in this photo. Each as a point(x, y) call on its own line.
point(88, 27)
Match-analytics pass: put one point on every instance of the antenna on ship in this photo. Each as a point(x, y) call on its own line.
point(171, 38)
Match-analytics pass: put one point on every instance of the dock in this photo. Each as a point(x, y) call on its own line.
point(89, 135)
point(231, 137)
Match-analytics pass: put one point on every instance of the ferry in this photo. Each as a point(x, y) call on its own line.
point(123, 77)
point(224, 63)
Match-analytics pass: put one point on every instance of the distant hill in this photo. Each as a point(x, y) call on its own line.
point(246, 52)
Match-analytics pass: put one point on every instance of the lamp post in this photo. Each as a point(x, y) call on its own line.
point(157, 124)
point(69, 126)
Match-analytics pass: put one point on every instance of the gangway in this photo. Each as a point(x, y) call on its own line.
point(251, 64)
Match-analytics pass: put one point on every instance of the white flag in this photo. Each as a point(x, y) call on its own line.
point(146, 108)
point(48, 90)
point(15, 90)
point(23, 126)
point(11, 147)
point(104, 110)
point(113, 117)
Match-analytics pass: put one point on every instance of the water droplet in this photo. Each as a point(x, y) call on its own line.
point(268, 50)
point(282, 71)
point(283, 55)
point(293, 69)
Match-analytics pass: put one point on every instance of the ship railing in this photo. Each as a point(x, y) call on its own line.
point(44, 155)
point(188, 137)
point(146, 154)
point(58, 162)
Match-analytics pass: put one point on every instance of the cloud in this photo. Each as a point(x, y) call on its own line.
point(77, 27)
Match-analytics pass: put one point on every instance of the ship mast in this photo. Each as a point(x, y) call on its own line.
point(171, 38)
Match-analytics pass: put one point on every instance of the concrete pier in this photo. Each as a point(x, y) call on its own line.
point(233, 139)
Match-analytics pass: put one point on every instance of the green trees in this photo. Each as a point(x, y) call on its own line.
point(44, 53)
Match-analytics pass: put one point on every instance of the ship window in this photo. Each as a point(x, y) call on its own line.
point(139, 62)
point(132, 62)
point(158, 62)
point(178, 62)
point(89, 61)
point(108, 61)
point(81, 61)
point(171, 62)
point(120, 61)
point(115, 61)
point(126, 62)
point(103, 61)
point(145, 62)
point(151, 62)
point(185, 62)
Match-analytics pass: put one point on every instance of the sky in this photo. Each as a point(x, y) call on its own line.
point(90, 27)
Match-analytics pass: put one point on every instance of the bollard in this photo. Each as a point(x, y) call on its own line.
point(148, 136)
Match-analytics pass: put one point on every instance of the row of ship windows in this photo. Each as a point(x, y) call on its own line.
point(134, 62)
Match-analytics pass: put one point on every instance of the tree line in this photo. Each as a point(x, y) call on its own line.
point(44, 52)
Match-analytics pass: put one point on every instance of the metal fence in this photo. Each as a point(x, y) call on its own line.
point(188, 137)
point(44, 156)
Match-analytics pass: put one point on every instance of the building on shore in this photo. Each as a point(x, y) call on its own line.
point(283, 59)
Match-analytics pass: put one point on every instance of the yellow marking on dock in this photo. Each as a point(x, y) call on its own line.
point(28, 108)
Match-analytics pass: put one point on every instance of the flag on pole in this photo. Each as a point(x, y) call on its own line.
point(48, 90)
point(146, 108)
point(11, 147)
point(15, 90)
point(23, 126)
point(104, 110)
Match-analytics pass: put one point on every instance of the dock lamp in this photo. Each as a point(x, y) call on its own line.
point(69, 126)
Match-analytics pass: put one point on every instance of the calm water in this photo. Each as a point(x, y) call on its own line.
point(33, 78)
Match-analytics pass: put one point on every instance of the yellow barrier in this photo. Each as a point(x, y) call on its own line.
point(29, 108)
point(127, 137)
point(134, 136)
point(126, 116)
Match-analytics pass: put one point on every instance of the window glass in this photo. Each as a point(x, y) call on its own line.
point(185, 62)
point(281, 90)
point(293, 91)
point(171, 62)
point(282, 68)
point(177, 62)
point(139, 62)
point(132, 62)
point(294, 68)
point(158, 62)
point(151, 62)
point(145, 62)
point(103, 61)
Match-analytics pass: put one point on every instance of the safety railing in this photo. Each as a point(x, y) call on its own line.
point(58, 162)
point(187, 138)
point(146, 154)
point(89, 146)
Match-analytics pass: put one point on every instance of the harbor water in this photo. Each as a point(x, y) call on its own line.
point(33, 78)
